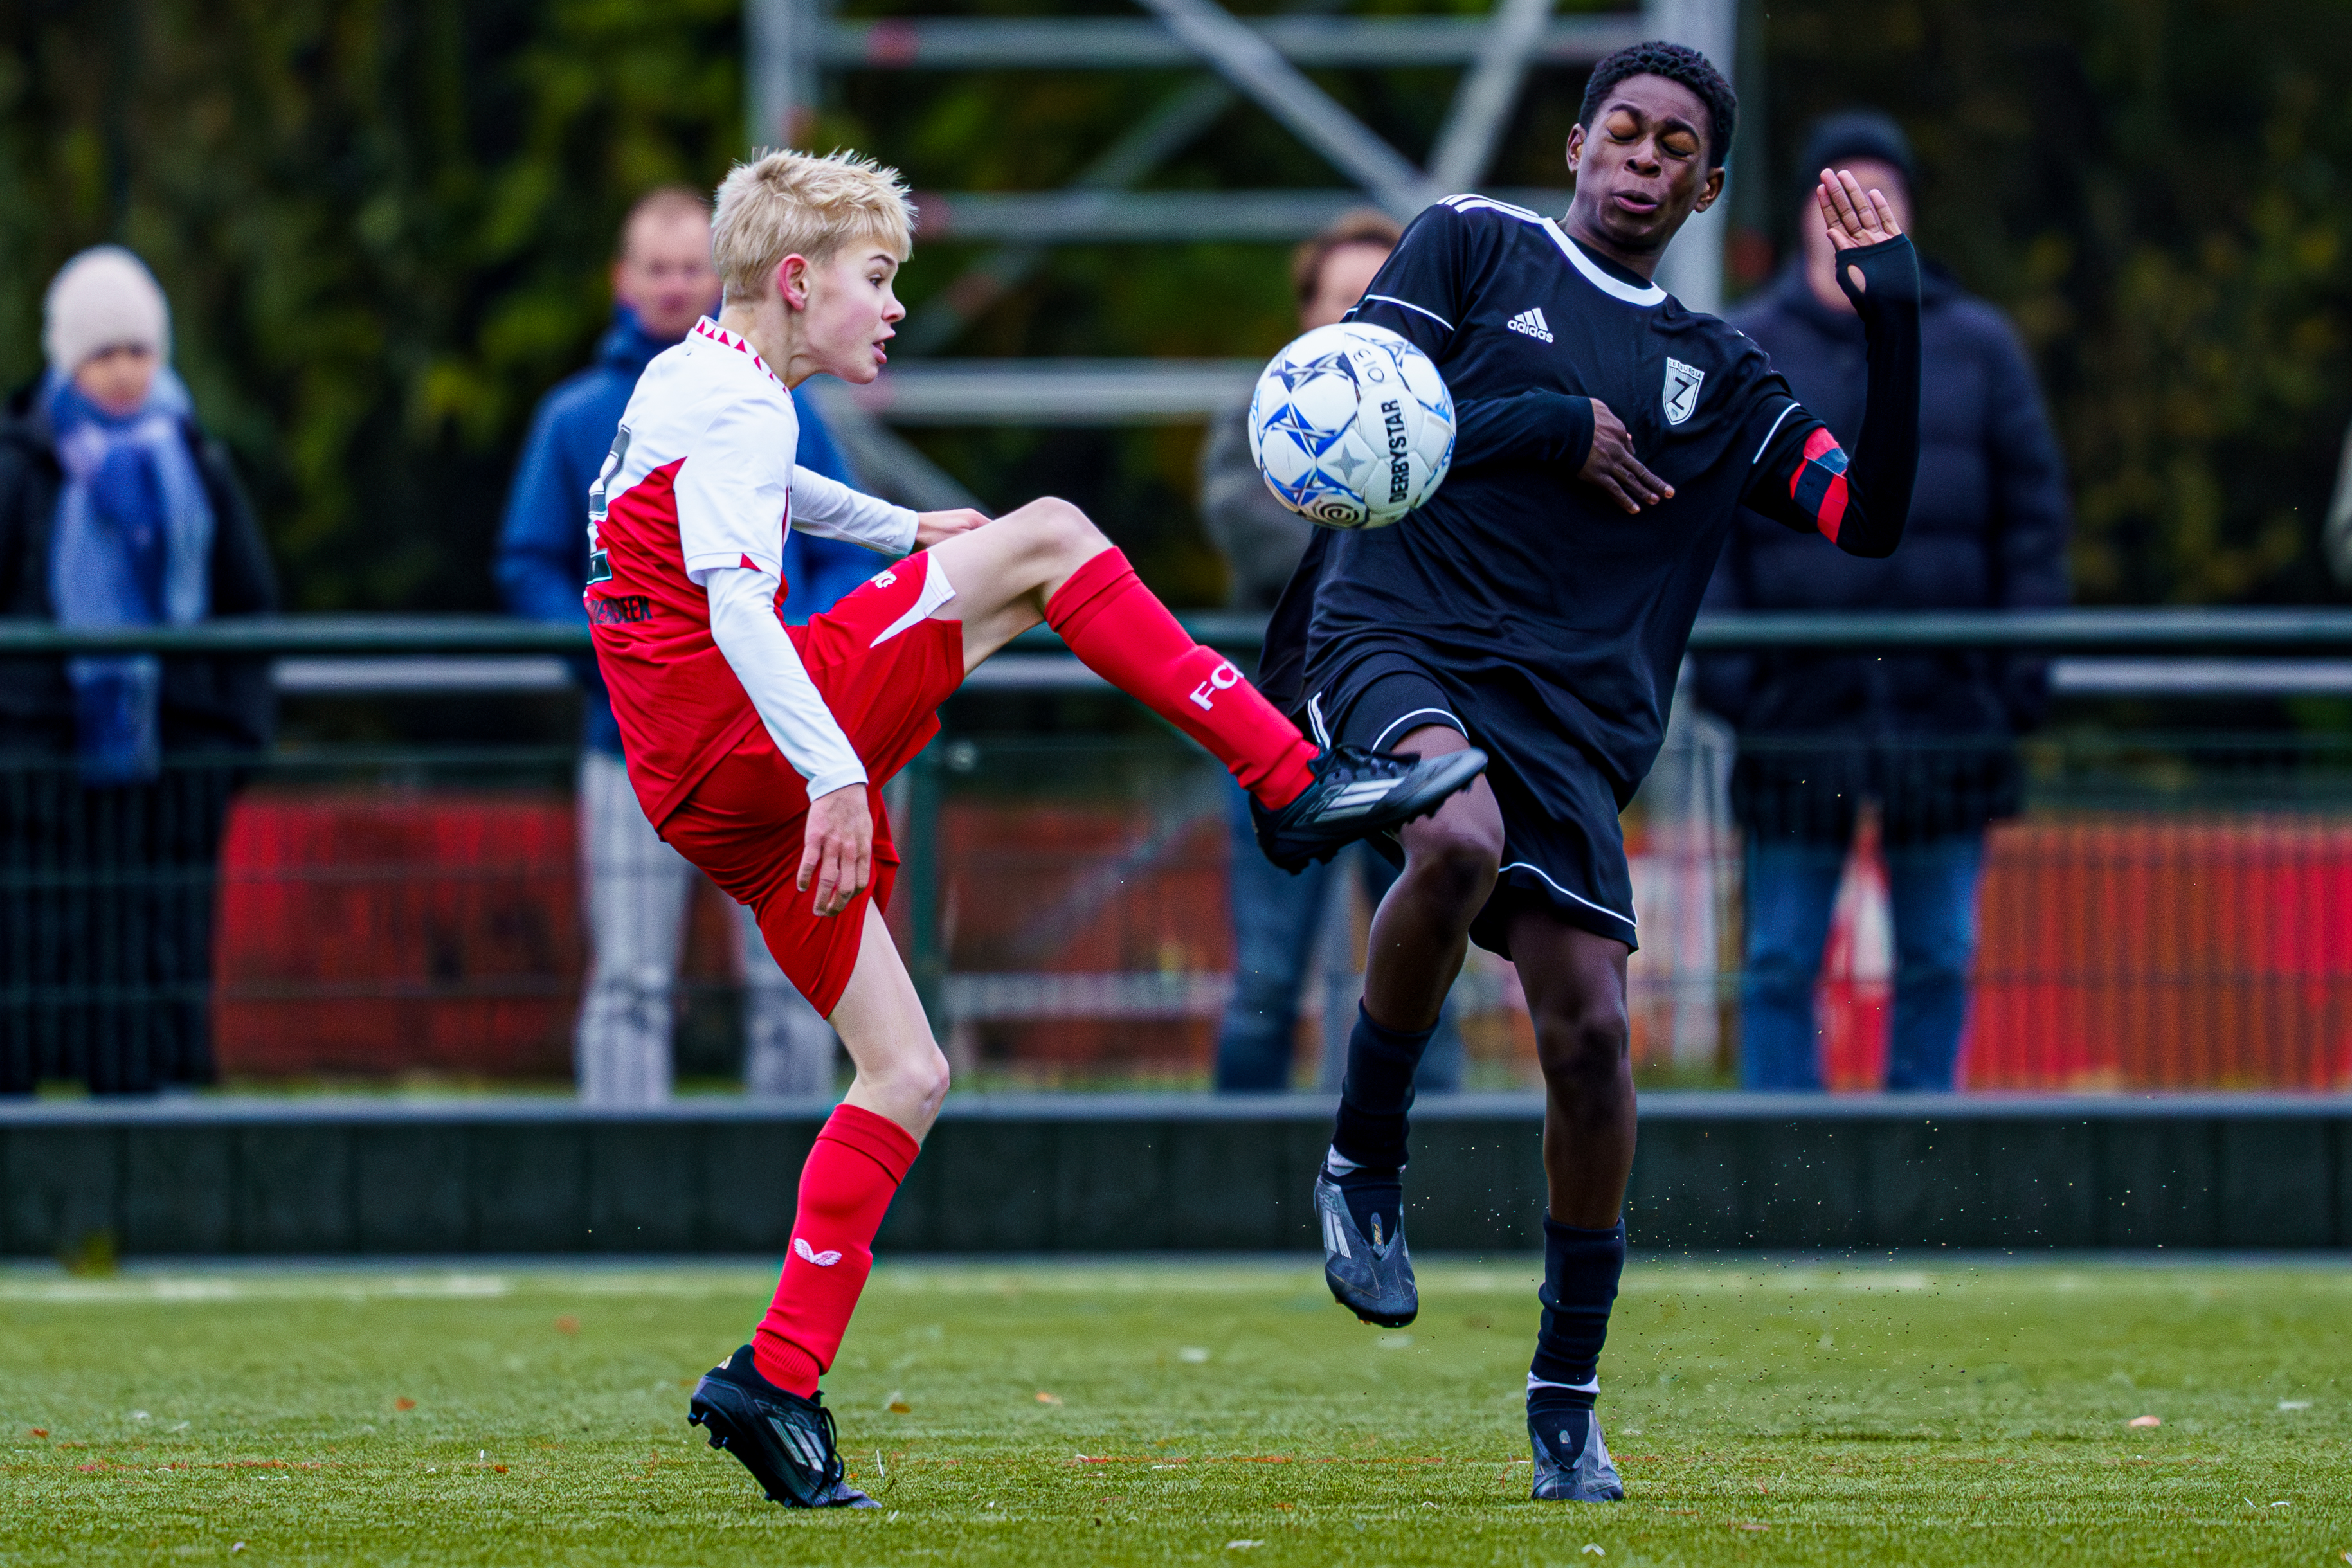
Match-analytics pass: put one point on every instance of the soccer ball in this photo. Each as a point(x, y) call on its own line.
point(1352, 427)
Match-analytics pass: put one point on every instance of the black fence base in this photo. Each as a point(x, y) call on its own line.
point(1126, 1174)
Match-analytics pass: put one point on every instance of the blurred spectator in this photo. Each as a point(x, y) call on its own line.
point(637, 887)
point(1277, 917)
point(2336, 536)
point(1926, 736)
point(116, 772)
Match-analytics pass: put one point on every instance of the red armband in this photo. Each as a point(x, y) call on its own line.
point(1819, 484)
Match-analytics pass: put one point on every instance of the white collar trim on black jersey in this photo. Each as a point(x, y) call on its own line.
point(1616, 288)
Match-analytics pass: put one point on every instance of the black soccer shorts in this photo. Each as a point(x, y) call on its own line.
point(1563, 848)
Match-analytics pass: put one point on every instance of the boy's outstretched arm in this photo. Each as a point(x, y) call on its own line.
point(1802, 477)
point(831, 509)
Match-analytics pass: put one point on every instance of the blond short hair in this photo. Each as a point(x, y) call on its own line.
point(784, 203)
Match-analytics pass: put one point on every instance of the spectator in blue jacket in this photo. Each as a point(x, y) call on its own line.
point(637, 887)
point(1928, 736)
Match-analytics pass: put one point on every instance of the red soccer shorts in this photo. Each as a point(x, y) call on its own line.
point(883, 667)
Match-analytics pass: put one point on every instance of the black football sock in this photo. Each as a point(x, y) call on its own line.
point(1377, 1092)
point(1369, 1139)
point(1581, 1273)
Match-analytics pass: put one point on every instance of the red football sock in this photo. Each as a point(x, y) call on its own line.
point(1121, 631)
point(857, 1163)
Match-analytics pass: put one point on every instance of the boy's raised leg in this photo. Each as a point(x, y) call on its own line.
point(1046, 564)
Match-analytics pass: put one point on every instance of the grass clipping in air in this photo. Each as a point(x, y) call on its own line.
point(1165, 1413)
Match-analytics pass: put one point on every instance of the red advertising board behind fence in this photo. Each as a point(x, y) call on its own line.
point(375, 934)
point(370, 934)
point(2125, 952)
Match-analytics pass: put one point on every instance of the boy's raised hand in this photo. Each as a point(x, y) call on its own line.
point(1854, 217)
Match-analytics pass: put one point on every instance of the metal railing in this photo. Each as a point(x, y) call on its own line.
point(2266, 631)
point(2170, 906)
point(798, 55)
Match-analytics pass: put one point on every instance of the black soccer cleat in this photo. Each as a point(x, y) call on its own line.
point(1356, 794)
point(1369, 1275)
point(1573, 1465)
point(786, 1441)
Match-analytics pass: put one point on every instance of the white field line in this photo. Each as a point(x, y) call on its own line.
point(197, 1287)
point(143, 1287)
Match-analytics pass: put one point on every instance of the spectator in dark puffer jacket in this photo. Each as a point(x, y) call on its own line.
point(117, 770)
point(1927, 738)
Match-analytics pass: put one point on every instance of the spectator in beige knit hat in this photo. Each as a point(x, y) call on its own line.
point(116, 509)
point(108, 327)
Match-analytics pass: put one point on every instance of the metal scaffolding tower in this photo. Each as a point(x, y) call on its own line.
point(794, 44)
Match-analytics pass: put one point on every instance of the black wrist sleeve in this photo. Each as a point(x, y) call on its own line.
point(1886, 455)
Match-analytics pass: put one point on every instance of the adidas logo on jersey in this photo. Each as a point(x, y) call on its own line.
point(1532, 323)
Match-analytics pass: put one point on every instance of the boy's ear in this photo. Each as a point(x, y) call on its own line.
point(792, 281)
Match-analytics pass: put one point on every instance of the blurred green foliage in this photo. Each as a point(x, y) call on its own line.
point(386, 228)
point(383, 228)
point(2160, 192)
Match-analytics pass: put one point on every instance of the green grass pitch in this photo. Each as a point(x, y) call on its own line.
point(1172, 1412)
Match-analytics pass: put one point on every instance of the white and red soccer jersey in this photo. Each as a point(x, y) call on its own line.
point(701, 478)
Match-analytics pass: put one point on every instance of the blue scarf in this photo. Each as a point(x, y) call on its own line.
point(131, 546)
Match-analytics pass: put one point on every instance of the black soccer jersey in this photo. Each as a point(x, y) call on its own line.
point(1518, 580)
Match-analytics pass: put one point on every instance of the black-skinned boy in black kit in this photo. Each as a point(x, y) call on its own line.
point(1538, 608)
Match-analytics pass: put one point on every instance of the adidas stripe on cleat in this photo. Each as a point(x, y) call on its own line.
point(786, 1441)
point(1371, 1276)
point(1356, 794)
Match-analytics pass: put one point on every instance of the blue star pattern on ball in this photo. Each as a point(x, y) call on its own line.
point(1313, 441)
point(1316, 492)
point(1351, 426)
point(1294, 374)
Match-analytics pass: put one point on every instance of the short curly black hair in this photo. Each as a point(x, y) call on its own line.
point(1676, 63)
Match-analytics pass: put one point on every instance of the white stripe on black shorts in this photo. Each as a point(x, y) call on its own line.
point(1563, 847)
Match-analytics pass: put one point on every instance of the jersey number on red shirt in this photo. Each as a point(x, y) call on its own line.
point(600, 568)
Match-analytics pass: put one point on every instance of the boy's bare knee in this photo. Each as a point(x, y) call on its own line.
point(914, 1086)
point(1060, 533)
point(1454, 863)
point(1582, 1048)
point(932, 1082)
point(926, 1076)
